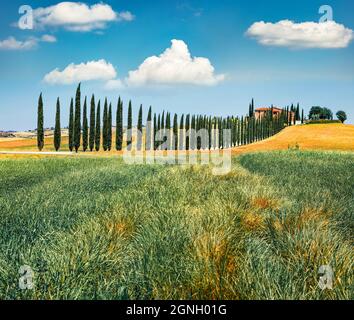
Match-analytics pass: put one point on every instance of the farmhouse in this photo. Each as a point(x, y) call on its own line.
point(261, 113)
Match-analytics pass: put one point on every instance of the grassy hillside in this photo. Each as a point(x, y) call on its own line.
point(99, 229)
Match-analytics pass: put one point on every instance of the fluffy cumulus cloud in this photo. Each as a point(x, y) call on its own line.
point(11, 43)
point(48, 38)
point(174, 66)
point(77, 16)
point(306, 35)
point(74, 73)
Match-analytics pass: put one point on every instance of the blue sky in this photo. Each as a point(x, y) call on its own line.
point(244, 67)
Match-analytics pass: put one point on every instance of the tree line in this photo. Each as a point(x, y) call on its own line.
point(162, 131)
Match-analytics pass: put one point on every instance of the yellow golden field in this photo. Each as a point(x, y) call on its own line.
point(337, 137)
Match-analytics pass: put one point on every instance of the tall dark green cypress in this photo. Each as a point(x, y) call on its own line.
point(57, 129)
point(105, 126)
point(302, 116)
point(77, 120)
point(158, 138)
point(119, 125)
point(175, 132)
point(130, 127)
point(168, 131)
point(98, 127)
point(154, 138)
point(148, 131)
point(242, 129)
point(139, 139)
point(92, 123)
point(198, 126)
point(40, 124)
point(109, 128)
point(71, 125)
point(187, 132)
point(210, 132)
point(181, 133)
point(85, 128)
point(193, 135)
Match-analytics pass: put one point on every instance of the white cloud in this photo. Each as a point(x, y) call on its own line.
point(48, 38)
point(306, 35)
point(92, 70)
point(77, 16)
point(11, 43)
point(174, 66)
point(114, 84)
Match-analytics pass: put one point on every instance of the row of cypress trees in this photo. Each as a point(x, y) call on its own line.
point(207, 132)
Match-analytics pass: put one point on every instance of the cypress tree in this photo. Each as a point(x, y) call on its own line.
point(105, 126)
point(148, 131)
point(40, 124)
point(175, 132)
point(187, 133)
point(119, 125)
point(71, 126)
point(168, 131)
point(92, 123)
point(85, 128)
point(181, 135)
point(57, 130)
point(215, 144)
point(109, 128)
point(193, 136)
point(302, 116)
point(77, 120)
point(98, 127)
point(130, 127)
point(154, 138)
point(198, 126)
point(158, 139)
point(210, 130)
point(140, 129)
point(242, 138)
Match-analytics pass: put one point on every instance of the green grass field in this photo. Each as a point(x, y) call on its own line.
point(95, 228)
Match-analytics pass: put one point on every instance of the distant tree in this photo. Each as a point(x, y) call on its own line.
point(130, 127)
point(92, 123)
point(139, 138)
point(109, 128)
point(187, 131)
point(57, 130)
point(85, 127)
point(168, 131)
point(319, 113)
point(181, 133)
point(105, 126)
point(302, 116)
point(71, 126)
point(148, 131)
point(251, 109)
point(119, 125)
point(175, 132)
point(193, 143)
point(77, 120)
point(40, 124)
point(98, 127)
point(298, 112)
point(342, 116)
point(154, 138)
point(158, 137)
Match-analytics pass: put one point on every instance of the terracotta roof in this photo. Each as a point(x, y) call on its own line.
point(268, 109)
